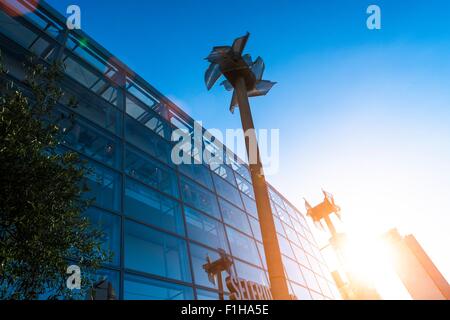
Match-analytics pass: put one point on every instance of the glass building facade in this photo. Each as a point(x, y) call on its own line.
point(160, 220)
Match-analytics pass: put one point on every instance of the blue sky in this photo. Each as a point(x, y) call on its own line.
point(364, 114)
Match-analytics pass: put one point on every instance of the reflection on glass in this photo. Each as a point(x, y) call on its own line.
point(142, 167)
point(243, 247)
point(199, 197)
point(139, 288)
point(227, 191)
point(109, 224)
point(104, 186)
point(235, 217)
point(154, 252)
point(205, 230)
point(149, 206)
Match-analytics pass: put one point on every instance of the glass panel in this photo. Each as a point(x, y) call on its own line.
point(245, 187)
point(197, 172)
point(279, 226)
point(285, 247)
point(283, 216)
point(262, 254)
point(80, 73)
point(250, 206)
point(255, 228)
point(293, 270)
point(199, 197)
point(91, 141)
point(292, 235)
point(301, 292)
point(149, 206)
point(205, 230)
point(250, 273)
point(243, 247)
point(110, 225)
point(104, 186)
point(154, 252)
point(140, 288)
point(310, 278)
point(300, 255)
point(198, 256)
point(209, 295)
point(235, 217)
point(15, 30)
point(97, 111)
point(147, 117)
point(111, 276)
point(147, 141)
point(227, 191)
point(224, 172)
point(324, 286)
point(140, 166)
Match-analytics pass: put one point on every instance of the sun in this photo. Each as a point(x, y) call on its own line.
point(369, 259)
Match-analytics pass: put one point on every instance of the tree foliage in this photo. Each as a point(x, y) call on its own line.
point(42, 226)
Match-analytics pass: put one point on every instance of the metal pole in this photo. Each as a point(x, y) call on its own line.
point(277, 277)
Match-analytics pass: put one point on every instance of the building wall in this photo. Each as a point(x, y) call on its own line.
point(160, 220)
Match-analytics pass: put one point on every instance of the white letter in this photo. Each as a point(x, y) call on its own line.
point(181, 151)
point(74, 281)
point(374, 20)
point(74, 20)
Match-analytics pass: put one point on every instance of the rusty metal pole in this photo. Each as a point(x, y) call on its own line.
point(277, 277)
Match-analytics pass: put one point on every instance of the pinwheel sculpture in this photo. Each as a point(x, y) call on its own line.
point(244, 77)
point(229, 62)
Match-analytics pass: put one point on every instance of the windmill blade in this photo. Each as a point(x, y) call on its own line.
point(218, 53)
point(227, 85)
point(248, 59)
point(234, 102)
point(262, 88)
point(239, 44)
point(258, 68)
point(212, 75)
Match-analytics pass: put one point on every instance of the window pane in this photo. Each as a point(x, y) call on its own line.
point(154, 252)
point(279, 226)
point(199, 197)
point(250, 273)
point(94, 109)
point(285, 247)
point(198, 256)
point(140, 288)
point(250, 206)
point(255, 228)
point(234, 217)
point(209, 295)
point(198, 172)
point(110, 225)
point(105, 186)
point(245, 187)
point(147, 117)
point(111, 276)
point(262, 254)
point(147, 141)
point(300, 255)
point(149, 171)
point(95, 143)
point(205, 230)
point(301, 292)
point(149, 206)
point(243, 247)
point(310, 278)
point(293, 270)
point(227, 191)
